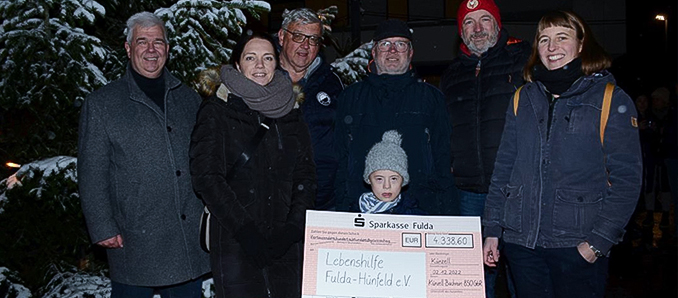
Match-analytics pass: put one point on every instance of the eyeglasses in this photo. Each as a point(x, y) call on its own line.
point(299, 38)
point(400, 46)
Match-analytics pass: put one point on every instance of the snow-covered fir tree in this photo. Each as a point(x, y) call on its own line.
point(52, 54)
point(204, 32)
point(9, 288)
point(353, 67)
point(43, 228)
point(327, 16)
point(77, 284)
point(48, 64)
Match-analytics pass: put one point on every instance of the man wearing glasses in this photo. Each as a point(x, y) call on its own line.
point(392, 97)
point(300, 39)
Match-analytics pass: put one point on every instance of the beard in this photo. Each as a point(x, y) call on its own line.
point(490, 41)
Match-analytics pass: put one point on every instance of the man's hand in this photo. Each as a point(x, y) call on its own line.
point(113, 242)
point(491, 251)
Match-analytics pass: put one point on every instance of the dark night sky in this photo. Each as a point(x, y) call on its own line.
point(649, 62)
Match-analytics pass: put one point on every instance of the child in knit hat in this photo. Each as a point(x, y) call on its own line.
point(386, 173)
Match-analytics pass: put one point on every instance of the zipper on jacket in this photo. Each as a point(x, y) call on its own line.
point(277, 131)
point(267, 282)
point(479, 97)
point(430, 163)
point(552, 107)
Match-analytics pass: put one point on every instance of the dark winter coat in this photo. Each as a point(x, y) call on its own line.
point(274, 188)
point(478, 91)
point(321, 88)
point(417, 111)
point(134, 181)
point(556, 187)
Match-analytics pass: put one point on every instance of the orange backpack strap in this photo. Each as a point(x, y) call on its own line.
point(605, 112)
point(516, 99)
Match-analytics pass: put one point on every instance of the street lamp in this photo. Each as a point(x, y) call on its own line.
point(663, 18)
point(10, 164)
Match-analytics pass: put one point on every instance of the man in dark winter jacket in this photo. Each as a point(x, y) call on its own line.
point(301, 38)
point(478, 86)
point(393, 98)
point(134, 180)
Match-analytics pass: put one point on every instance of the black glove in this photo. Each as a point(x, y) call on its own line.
point(282, 238)
point(253, 245)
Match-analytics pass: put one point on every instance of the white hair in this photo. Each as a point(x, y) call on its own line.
point(301, 15)
point(144, 19)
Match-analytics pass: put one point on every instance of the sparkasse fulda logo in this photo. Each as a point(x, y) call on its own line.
point(359, 221)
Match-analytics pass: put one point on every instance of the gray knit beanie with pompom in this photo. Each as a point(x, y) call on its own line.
point(387, 155)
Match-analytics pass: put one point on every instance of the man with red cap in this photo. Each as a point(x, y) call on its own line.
point(478, 87)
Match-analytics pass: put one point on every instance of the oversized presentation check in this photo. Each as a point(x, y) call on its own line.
point(374, 255)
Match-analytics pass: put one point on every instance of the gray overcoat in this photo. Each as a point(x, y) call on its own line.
point(134, 181)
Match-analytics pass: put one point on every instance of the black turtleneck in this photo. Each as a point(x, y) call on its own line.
point(557, 81)
point(153, 88)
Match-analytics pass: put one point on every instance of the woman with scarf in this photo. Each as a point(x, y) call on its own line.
point(258, 210)
point(567, 177)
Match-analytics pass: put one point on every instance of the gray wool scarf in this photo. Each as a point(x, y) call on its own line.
point(274, 100)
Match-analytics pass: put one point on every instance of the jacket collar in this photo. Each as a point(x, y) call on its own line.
point(313, 67)
point(136, 94)
point(392, 82)
point(583, 85)
point(317, 67)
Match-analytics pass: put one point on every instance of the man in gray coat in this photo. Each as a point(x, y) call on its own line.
point(133, 173)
